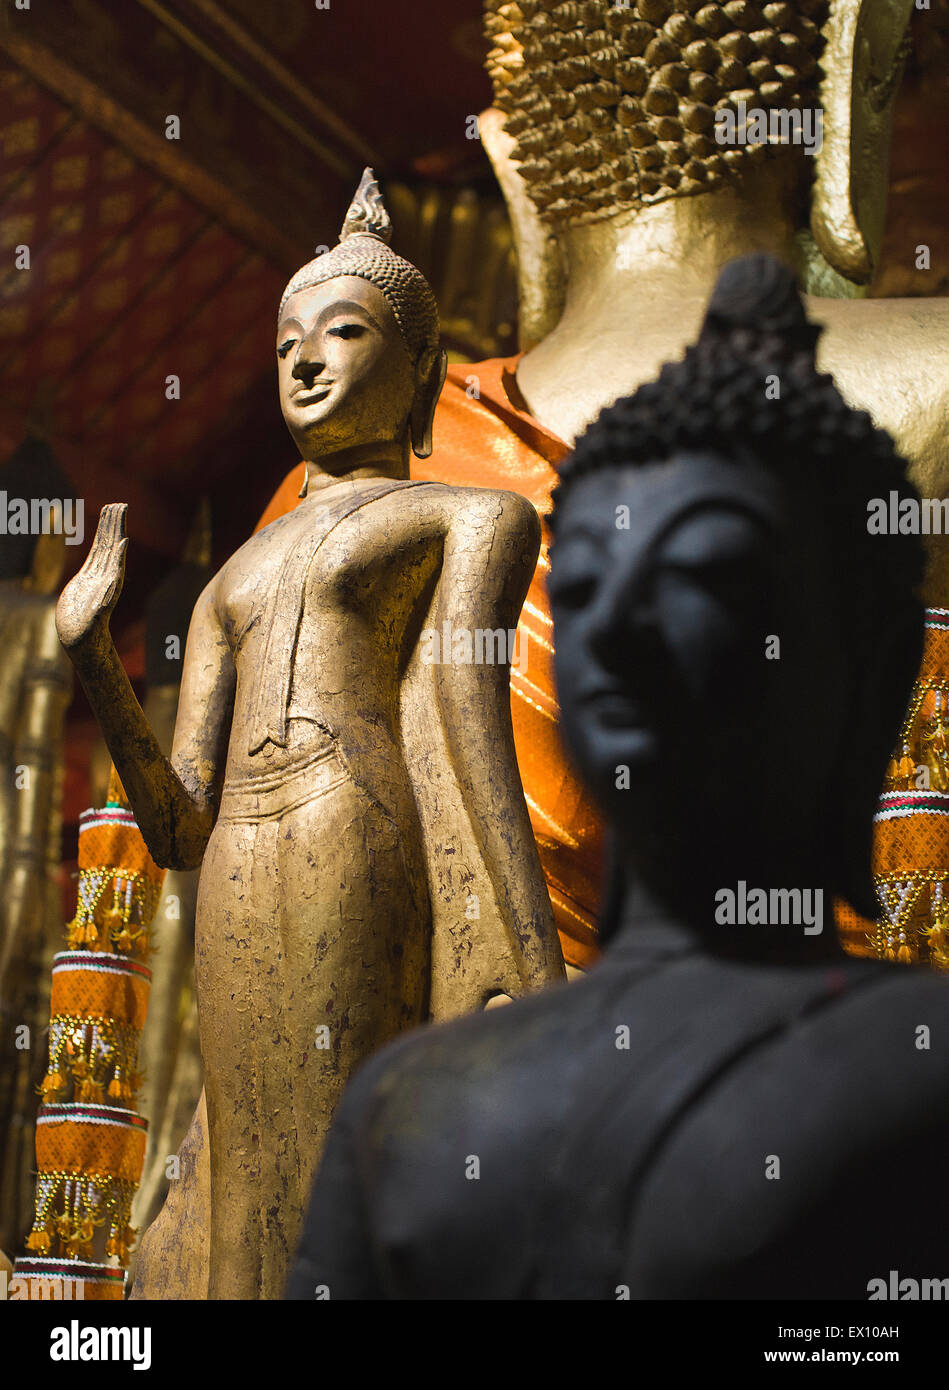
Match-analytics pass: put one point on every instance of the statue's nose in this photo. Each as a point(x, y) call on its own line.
point(307, 365)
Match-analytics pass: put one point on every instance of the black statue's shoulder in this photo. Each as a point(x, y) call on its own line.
point(619, 1129)
point(802, 1172)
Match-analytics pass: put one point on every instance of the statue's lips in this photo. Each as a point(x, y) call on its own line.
point(615, 709)
point(313, 397)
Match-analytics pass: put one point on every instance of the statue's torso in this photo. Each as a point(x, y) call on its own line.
point(367, 580)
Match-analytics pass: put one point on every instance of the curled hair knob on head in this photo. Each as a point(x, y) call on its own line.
point(758, 294)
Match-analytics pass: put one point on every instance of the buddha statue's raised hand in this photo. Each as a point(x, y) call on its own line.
point(175, 820)
point(85, 605)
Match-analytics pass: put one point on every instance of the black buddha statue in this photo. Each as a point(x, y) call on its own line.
point(726, 1105)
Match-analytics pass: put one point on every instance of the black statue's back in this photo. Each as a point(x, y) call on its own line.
point(762, 1131)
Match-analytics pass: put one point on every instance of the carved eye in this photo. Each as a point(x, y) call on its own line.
point(576, 592)
point(577, 565)
point(284, 348)
point(347, 330)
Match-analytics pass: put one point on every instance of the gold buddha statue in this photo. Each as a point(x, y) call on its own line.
point(624, 208)
point(366, 856)
point(35, 687)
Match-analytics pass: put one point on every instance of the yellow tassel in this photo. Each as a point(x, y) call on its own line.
point(937, 937)
point(38, 1241)
point(52, 1084)
point(116, 1089)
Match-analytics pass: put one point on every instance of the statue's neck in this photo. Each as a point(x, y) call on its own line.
point(637, 285)
point(748, 919)
point(376, 460)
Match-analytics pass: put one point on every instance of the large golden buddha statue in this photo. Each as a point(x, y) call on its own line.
point(366, 856)
point(624, 207)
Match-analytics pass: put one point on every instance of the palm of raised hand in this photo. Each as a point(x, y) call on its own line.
point(86, 603)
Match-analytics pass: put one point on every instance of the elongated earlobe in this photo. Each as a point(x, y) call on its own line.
point(422, 417)
point(867, 42)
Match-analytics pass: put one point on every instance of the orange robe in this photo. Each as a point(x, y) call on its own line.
point(491, 440)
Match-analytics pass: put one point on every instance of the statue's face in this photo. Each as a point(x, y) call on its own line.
point(668, 586)
point(344, 372)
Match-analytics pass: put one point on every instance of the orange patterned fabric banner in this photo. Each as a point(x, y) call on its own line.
point(90, 1141)
point(911, 835)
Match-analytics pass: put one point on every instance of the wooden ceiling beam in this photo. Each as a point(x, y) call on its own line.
point(178, 17)
point(150, 148)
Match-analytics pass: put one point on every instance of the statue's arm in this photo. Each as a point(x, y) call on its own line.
point(174, 800)
point(490, 552)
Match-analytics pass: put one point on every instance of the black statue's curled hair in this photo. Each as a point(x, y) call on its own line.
point(715, 400)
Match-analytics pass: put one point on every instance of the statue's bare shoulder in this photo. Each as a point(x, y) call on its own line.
point(472, 508)
point(888, 356)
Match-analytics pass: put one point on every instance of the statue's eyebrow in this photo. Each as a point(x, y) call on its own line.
point(346, 306)
point(339, 306)
point(585, 529)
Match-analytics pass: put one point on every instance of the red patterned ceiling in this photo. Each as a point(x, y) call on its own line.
point(129, 283)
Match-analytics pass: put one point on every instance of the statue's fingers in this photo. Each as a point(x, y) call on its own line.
point(116, 522)
point(118, 542)
point(100, 541)
point(93, 561)
point(114, 562)
point(109, 532)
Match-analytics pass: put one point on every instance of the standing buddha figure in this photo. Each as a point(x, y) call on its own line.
point(366, 857)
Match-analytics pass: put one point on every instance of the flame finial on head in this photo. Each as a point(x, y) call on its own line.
point(367, 214)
